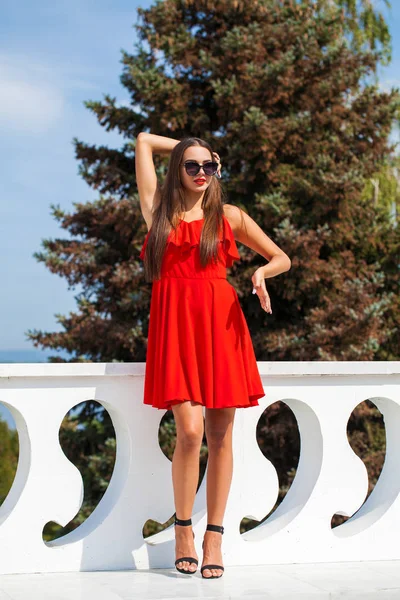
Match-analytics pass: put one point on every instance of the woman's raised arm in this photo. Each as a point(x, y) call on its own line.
point(146, 177)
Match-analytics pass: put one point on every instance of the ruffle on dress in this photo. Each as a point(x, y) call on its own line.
point(186, 236)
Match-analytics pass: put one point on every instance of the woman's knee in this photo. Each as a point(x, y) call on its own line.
point(219, 427)
point(218, 437)
point(190, 436)
point(189, 426)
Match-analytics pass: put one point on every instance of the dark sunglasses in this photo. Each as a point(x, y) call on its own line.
point(192, 167)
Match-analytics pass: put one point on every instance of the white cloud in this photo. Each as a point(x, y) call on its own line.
point(29, 102)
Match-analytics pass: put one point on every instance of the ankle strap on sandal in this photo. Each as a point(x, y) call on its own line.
point(217, 528)
point(183, 522)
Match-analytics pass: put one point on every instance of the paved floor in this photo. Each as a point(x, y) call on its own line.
point(361, 580)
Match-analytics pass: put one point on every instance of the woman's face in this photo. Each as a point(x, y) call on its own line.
point(201, 181)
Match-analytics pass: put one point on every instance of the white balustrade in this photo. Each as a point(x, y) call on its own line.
point(330, 478)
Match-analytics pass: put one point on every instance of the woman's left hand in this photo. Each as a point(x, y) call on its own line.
point(217, 159)
point(259, 288)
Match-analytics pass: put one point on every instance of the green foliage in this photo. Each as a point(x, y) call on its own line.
point(383, 189)
point(367, 24)
point(9, 453)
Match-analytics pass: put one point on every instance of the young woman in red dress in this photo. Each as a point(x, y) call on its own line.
point(199, 353)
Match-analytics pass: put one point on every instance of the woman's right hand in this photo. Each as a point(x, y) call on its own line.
point(260, 289)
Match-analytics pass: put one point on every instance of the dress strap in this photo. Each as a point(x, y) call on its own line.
point(146, 239)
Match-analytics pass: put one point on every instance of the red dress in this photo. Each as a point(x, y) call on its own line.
point(199, 346)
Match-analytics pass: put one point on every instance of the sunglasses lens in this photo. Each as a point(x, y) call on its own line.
point(192, 168)
point(210, 168)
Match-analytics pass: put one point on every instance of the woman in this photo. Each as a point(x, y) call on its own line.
point(199, 351)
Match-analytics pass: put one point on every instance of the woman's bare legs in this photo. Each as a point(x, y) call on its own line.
point(219, 428)
point(185, 473)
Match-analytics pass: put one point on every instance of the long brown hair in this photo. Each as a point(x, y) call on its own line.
point(166, 214)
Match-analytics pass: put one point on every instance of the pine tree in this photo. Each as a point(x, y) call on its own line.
point(278, 91)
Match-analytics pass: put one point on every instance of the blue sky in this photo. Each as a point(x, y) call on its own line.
point(54, 55)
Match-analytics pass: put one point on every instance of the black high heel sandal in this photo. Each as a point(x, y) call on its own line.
point(218, 529)
point(189, 559)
